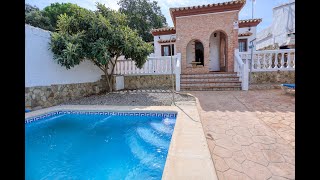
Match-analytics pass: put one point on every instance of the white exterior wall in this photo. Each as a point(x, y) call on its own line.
point(42, 70)
point(283, 22)
point(214, 52)
point(264, 38)
point(190, 53)
point(253, 30)
point(157, 46)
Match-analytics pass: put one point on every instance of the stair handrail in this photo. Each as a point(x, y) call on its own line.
point(242, 70)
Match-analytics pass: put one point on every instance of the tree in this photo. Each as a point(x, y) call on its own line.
point(101, 37)
point(55, 9)
point(143, 15)
point(35, 17)
point(47, 18)
point(28, 8)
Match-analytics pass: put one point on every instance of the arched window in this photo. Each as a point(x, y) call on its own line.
point(195, 53)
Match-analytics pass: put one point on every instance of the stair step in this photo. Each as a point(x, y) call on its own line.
point(146, 158)
point(217, 72)
point(148, 136)
point(209, 82)
point(161, 127)
point(210, 77)
point(208, 85)
point(211, 88)
point(212, 81)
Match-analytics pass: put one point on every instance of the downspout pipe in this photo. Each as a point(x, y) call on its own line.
point(173, 91)
point(251, 42)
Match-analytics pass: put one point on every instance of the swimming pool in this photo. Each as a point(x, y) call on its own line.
point(97, 145)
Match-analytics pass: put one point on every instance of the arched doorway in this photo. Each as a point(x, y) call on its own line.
point(195, 53)
point(218, 51)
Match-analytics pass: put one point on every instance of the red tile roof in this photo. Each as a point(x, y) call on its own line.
point(245, 34)
point(249, 22)
point(204, 9)
point(166, 41)
point(163, 31)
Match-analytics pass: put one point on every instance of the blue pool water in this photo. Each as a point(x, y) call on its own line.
point(79, 146)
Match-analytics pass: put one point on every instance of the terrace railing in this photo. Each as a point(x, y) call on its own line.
point(154, 66)
point(270, 60)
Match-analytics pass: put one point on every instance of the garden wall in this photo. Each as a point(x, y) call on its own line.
point(148, 82)
point(45, 96)
point(46, 82)
point(272, 79)
point(42, 70)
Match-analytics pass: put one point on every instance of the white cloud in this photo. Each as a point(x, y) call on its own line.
point(89, 4)
point(109, 3)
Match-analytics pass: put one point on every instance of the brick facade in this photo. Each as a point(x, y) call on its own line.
point(200, 27)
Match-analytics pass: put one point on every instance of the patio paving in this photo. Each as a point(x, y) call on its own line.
point(251, 134)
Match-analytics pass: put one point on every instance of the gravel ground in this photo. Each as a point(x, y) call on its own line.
point(132, 98)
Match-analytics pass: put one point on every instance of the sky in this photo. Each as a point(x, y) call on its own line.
point(262, 8)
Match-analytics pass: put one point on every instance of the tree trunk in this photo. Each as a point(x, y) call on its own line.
point(112, 71)
point(110, 83)
point(108, 79)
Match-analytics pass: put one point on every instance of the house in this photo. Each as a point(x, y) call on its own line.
point(281, 33)
point(210, 51)
point(206, 36)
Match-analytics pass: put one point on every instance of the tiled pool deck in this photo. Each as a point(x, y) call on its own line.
point(251, 134)
point(188, 157)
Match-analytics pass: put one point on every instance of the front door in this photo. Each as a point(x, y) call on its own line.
point(214, 52)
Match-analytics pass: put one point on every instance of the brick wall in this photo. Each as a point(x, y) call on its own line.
point(200, 27)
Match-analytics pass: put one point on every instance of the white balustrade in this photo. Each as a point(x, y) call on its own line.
point(153, 66)
point(270, 60)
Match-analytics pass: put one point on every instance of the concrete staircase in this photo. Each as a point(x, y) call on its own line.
point(214, 81)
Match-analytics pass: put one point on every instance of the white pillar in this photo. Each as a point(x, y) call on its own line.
point(245, 76)
point(235, 64)
point(178, 71)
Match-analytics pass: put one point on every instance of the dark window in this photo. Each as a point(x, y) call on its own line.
point(242, 45)
point(166, 50)
point(199, 53)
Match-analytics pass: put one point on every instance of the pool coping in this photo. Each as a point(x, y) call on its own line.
point(188, 156)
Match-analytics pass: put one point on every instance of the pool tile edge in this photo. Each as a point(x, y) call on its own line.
point(188, 156)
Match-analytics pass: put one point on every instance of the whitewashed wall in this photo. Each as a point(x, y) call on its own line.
point(264, 38)
point(190, 53)
point(214, 64)
point(157, 46)
point(42, 70)
point(253, 30)
point(283, 22)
